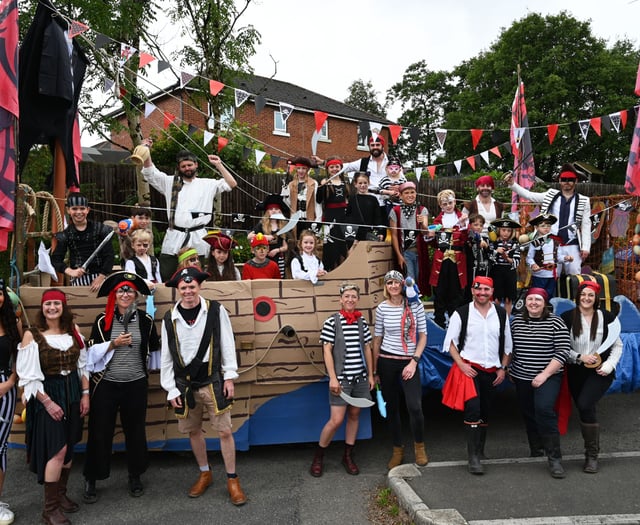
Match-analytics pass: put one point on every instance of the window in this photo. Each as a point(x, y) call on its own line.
point(279, 124)
point(226, 118)
point(363, 145)
point(324, 132)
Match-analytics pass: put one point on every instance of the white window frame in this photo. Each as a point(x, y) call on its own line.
point(282, 130)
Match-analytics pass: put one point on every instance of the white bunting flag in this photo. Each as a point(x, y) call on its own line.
point(458, 165)
point(207, 136)
point(419, 173)
point(286, 110)
point(241, 97)
point(518, 133)
point(441, 136)
point(584, 127)
point(259, 156)
point(148, 109)
point(615, 120)
point(485, 156)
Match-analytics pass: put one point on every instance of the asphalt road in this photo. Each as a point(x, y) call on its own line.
point(281, 491)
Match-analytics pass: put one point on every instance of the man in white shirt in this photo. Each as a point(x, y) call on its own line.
point(479, 341)
point(198, 366)
point(189, 202)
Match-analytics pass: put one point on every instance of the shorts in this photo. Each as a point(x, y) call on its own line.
point(193, 421)
point(505, 282)
point(356, 387)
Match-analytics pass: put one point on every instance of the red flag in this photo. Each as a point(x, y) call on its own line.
point(222, 142)
point(8, 113)
point(215, 87)
point(496, 152)
point(168, 119)
point(472, 162)
point(552, 130)
point(77, 28)
point(320, 118)
point(432, 171)
point(623, 118)
point(395, 130)
point(632, 180)
point(596, 124)
point(475, 137)
point(523, 167)
point(145, 59)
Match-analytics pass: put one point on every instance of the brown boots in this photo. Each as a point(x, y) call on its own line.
point(235, 492)
point(348, 462)
point(396, 457)
point(421, 454)
point(52, 514)
point(591, 436)
point(317, 463)
point(204, 480)
point(66, 504)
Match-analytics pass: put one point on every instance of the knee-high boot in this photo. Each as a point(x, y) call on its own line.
point(52, 515)
point(591, 436)
point(473, 449)
point(554, 455)
point(66, 504)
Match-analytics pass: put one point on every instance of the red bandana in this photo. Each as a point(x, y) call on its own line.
point(351, 317)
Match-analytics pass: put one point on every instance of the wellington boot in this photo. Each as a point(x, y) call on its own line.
point(421, 454)
point(396, 457)
point(591, 436)
point(473, 449)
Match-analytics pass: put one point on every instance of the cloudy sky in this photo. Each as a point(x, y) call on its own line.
point(326, 45)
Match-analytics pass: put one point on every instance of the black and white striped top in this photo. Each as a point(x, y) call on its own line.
point(535, 343)
point(126, 364)
point(389, 326)
point(353, 362)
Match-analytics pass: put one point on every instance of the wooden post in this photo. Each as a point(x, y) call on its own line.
point(59, 193)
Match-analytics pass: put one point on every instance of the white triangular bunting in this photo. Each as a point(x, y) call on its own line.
point(419, 173)
point(485, 156)
point(126, 52)
point(241, 97)
point(286, 110)
point(375, 128)
point(148, 109)
point(207, 136)
point(458, 165)
point(259, 156)
point(518, 133)
point(615, 120)
point(441, 136)
point(314, 142)
point(584, 127)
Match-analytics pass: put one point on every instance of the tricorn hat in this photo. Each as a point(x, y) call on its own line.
point(188, 274)
point(220, 241)
point(543, 217)
point(118, 279)
point(273, 200)
point(505, 222)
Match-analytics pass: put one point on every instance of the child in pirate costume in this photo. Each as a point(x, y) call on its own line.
point(408, 223)
point(122, 338)
point(505, 257)
point(260, 266)
point(477, 252)
point(542, 256)
point(449, 267)
point(142, 262)
point(199, 365)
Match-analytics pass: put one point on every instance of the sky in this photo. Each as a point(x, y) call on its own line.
point(325, 46)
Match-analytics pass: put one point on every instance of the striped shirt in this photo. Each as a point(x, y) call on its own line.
point(389, 327)
point(126, 364)
point(353, 362)
point(535, 343)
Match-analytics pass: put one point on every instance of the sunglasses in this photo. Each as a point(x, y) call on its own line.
point(347, 287)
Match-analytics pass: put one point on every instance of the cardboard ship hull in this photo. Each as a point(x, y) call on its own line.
point(281, 395)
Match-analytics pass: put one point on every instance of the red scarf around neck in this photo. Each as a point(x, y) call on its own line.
point(351, 317)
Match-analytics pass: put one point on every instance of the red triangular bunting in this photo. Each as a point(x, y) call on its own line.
point(552, 130)
point(320, 118)
point(77, 28)
point(145, 59)
point(475, 137)
point(496, 152)
point(222, 142)
point(623, 118)
point(395, 130)
point(215, 87)
point(472, 162)
point(596, 124)
point(168, 119)
point(432, 171)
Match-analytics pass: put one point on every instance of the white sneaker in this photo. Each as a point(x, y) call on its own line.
point(6, 516)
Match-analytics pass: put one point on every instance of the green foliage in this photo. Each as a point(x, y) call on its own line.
point(363, 96)
point(38, 168)
point(568, 74)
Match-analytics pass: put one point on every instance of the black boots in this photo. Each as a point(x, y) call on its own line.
point(554, 455)
point(591, 436)
point(474, 448)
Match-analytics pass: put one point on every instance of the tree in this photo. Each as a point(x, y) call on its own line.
point(220, 48)
point(421, 94)
point(364, 97)
point(569, 75)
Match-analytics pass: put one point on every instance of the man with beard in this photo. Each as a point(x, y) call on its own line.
point(484, 204)
point(185, 193)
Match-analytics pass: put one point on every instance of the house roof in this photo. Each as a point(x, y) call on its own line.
point(276, 91)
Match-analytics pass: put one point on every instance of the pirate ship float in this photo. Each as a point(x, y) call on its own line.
point(281, 395)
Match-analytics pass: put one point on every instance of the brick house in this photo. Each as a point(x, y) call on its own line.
point(339, 136)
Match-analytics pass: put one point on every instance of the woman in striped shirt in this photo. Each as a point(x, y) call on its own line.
point(399, 339)
point(541, 347)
